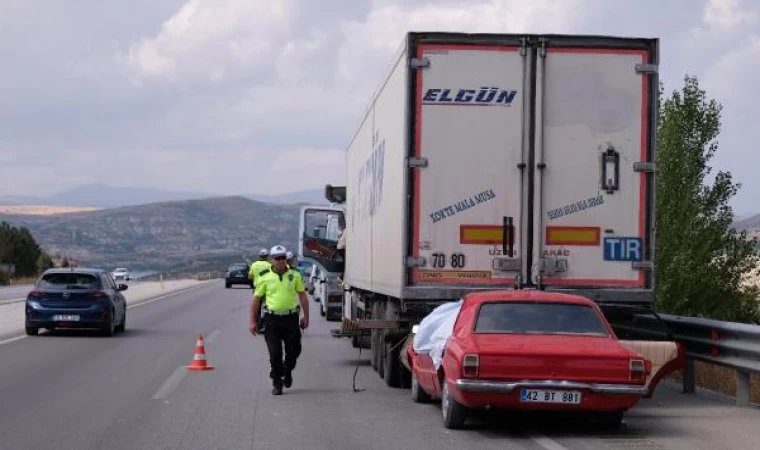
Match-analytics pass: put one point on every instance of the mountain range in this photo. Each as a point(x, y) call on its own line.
point(106, 196)
point(164, 234)
point(748, 223)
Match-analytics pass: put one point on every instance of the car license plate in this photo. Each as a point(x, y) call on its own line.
point(506, 264)
point(66, 318)
point(550, 396)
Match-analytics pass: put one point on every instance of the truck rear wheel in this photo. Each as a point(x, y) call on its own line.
point(391, 366)
point(374, 346)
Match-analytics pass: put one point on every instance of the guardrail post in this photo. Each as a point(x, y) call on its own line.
point(742, 388)
point(689, 380)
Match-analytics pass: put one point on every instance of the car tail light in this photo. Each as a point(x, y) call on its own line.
point(639, 369)
point(36, 293)
point(99, 294)
point(470, 366)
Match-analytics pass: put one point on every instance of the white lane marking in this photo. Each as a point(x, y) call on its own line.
point(18, 338)
point(13, 339)
point(548, 444)
point(170, 384)
point(13, 300)
point(214, 334)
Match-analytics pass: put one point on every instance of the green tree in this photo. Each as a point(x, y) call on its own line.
point(700, 260)
point(17, 246)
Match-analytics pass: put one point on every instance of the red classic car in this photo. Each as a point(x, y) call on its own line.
point(522, 349)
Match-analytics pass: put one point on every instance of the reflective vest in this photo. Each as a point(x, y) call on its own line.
point(279, 290)
point(257, 267)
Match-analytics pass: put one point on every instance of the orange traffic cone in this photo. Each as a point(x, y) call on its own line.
point(199, 360)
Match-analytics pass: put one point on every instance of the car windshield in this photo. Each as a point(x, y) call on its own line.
point(69, 281)
point(538, 318)
point(238, 267)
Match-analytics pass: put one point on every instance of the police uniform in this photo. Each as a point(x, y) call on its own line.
point(257, 268)
point(281, 323)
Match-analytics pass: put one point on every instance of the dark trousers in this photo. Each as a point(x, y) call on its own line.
point(281, 330)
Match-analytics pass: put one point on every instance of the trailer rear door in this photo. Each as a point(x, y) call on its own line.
point(470, 130)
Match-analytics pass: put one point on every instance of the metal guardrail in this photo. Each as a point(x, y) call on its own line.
point(729, 344)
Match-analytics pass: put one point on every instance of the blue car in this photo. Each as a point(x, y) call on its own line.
point(76, 298)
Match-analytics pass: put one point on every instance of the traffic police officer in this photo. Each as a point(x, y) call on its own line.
point(259, 266)
point(279, 286)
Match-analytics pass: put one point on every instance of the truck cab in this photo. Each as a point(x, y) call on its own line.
point(319, 232)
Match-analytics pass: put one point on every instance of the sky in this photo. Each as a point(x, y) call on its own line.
point(262, 96)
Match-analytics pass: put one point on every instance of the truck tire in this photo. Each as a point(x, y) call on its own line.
point(381, 355)
point(391, 366)
point(361, 341)
point(373, 348)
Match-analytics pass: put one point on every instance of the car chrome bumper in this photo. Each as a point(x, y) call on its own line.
point(507, 387)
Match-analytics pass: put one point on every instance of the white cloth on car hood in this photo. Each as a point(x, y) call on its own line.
point(434, 330)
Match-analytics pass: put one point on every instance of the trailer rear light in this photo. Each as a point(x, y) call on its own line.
point(639, 369)
point(470, 366)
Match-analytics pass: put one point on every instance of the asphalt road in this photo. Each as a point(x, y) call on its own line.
point(74, 390)
point(11, 293)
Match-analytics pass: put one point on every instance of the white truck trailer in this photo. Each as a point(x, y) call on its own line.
point(492, 161)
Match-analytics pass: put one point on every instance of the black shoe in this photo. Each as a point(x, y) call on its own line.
point(287, 380)
point(277, 389)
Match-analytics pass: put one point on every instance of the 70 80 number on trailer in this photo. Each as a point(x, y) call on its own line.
point(456, 261)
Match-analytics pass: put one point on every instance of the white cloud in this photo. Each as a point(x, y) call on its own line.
point(239, 96)
point(369, 43)
point(727, 14)
point(206, 39)
point(732, 75)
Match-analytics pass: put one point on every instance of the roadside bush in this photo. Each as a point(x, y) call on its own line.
point(5, 278)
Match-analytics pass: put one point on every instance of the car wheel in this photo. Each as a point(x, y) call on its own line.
point(418, 394)
point(108, 328)
point(454, 414)
point(227, 285)
point(611, 420)
point(123, 325)
point(32, 331)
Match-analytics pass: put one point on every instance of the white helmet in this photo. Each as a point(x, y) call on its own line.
point(264, 252)
point(277, 250)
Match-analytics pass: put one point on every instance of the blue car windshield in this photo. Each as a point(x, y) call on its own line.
point(69, 281)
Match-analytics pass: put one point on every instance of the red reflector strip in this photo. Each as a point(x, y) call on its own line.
point(573, 235)
point(481, 234)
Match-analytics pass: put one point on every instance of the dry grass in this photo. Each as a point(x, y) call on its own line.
point(43, 210)
point(20, 281)
point(720, 379)
point(24, 280)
